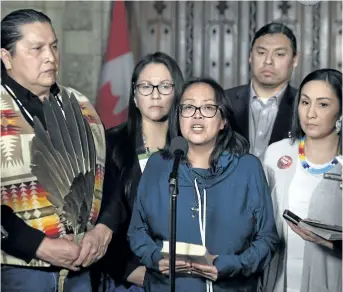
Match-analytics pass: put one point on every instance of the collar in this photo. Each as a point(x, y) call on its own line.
point(278, 96)
point(23, 94)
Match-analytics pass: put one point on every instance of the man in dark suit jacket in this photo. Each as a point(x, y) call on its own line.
point(263, 108)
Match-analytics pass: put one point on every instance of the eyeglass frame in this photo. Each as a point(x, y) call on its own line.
point(199, 108)
point(153, 88)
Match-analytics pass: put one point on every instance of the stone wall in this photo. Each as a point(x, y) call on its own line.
point(82, 33)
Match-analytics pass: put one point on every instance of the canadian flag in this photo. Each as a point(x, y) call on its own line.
point(114, 90)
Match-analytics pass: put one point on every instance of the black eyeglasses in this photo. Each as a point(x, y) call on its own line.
point(164, 88)
point(206, 110)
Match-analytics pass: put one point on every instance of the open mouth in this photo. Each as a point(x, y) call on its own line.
point(197, 127)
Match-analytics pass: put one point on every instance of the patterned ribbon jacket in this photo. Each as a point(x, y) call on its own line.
point(21, 190)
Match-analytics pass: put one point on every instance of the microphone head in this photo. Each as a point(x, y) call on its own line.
point(179, 144)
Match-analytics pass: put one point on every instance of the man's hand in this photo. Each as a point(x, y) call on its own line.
point(94, 245)
point(310, 236)
point(60, 252)
point(163, 266)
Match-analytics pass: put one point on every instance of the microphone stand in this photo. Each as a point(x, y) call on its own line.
point(173, 191)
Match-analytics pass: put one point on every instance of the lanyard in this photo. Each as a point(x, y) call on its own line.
point(22, 107)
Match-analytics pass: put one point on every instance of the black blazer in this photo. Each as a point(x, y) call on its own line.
point(240, 98)
point(119, 261)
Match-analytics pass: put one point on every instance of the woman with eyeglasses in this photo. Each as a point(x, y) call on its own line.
point(304, 173)
point(223, 203)
point(156, 80)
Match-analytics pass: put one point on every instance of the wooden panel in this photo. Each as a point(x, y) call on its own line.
point(324, 34)
point(212, 45)
point(180, 35)
point(306, 40)
point(244, 43)
point(199, 38)
point(202, 45)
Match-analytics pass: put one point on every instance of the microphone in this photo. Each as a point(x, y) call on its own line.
point(179, 148)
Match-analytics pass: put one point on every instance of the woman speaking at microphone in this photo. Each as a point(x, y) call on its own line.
point(223, 204)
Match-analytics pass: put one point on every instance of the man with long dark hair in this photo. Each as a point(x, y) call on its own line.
point(52, 165)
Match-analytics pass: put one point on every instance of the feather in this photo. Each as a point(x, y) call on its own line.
point(57, 169)
point(72, 204)
point(42, 138)
point(46, 178)
point(85, 207)
point(92, 163)
point(73, 130)
point(65, 134)
point(36, 159)
point(91, 146)
point(55, 133)
point(82, 129)
point(64, 161)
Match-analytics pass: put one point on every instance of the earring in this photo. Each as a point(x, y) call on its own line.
point(339, 125)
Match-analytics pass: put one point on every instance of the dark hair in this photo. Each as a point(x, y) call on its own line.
point(11, 23)
point(274, 28)
point(11, 27)
point(228, 139)
point(333, 78)
point(134, 121)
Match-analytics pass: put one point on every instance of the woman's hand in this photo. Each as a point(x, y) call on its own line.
point(310, 236)
point(180, 266)
point(207, 271)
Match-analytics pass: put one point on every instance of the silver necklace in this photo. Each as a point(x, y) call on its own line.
point(195, 208)
point(147, 150)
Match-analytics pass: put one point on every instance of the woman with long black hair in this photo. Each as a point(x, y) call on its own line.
point(156, 80)
point(296, 170)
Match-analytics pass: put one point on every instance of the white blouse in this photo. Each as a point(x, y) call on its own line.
point(300, 193)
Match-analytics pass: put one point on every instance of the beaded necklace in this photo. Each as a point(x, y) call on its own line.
point(309, 168)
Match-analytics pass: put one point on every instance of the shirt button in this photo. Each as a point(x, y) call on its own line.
point(260, 133)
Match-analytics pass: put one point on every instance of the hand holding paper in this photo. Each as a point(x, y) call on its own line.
point(208, 271)
point(191, 259)
point(189, 252)
point(309, 236)
point(180, 266)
